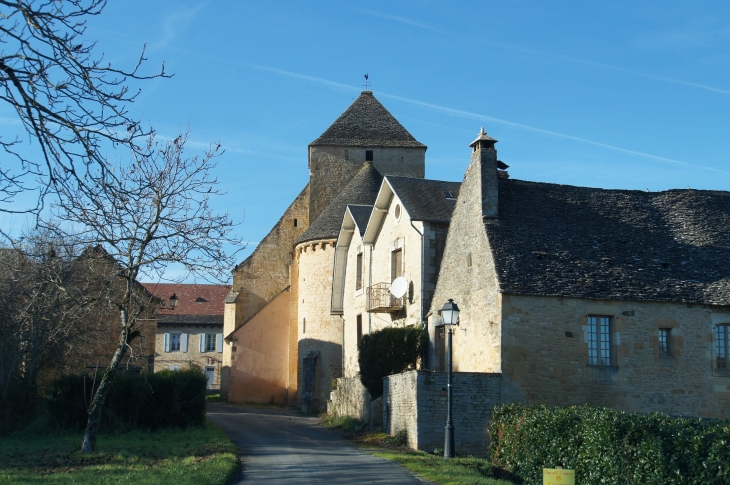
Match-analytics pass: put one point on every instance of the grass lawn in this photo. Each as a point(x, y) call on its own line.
point(193, 456)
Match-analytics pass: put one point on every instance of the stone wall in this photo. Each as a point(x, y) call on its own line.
point(331, 168)
point(265, 273)
point(416, 402)
point(545, 356)
point(350, 398)
point(318, 330)
point(193, 357)
point(467, 275)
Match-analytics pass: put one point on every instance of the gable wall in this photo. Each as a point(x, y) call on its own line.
point(541, 365)
point(474, 289)
point(259, 361)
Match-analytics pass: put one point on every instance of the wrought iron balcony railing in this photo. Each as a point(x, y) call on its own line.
point(381, 301)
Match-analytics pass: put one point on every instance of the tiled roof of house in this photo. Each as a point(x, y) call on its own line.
point(192, 299)
point(366, 123)
point(361, 215)
point(618, 244)
point(426, 200)
point(362, 190)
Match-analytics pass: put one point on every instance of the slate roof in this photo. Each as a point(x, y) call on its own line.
point(361, 214)
point(424, 199)
point(366, 123)
point(362, 190)
point(618, 244)
point(192, 299)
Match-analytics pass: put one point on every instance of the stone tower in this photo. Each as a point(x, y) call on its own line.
point(365, 132)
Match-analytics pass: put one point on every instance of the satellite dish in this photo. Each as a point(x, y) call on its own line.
point(399, 287)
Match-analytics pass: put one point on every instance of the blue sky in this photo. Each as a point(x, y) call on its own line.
point(632, 95)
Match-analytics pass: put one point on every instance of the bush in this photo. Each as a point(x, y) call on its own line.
point(609, 447)
point(135, 401)
point(391, 350)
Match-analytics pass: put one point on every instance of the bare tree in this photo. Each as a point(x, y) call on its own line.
point(155, 212)
point(72, 103)
point(45, 300)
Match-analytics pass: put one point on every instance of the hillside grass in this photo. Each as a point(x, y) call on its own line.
point(200, 456)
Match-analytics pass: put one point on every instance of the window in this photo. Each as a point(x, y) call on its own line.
point(396, 264)
point(295, 222)
point(397, 212)
point(174, 342)
point(359, 329)
point(721, 347)
point(358, 272)
point(599, 341)
point(368, 155)
point(347, 154)
point(664, 341)
point(468, 260)
point(210, 342)
point(304, 323)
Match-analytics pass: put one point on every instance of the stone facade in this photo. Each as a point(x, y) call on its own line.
point(209, 362)
point(350, 398)
point(416, 402)
point(545, 356)
point(318, 330)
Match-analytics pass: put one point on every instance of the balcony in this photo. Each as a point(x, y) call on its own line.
point(381, 301)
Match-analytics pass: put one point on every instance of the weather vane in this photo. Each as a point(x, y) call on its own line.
point(367, 84)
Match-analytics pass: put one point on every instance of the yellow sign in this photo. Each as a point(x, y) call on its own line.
point(558, 476)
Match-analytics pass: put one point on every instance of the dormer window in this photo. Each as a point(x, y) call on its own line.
point(368, 155)
point(448, 194)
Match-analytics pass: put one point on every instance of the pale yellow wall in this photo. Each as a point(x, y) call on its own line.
point(259, 360)
point(323, 330)
point(193, 357)
point(541, 364)
point(393, 234)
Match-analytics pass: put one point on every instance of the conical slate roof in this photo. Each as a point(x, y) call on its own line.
point(362, 190)
point(366, 123)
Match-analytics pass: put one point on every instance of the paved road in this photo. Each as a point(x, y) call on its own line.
point(280, 447)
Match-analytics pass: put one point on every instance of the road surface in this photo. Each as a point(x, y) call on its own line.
point(282, 447)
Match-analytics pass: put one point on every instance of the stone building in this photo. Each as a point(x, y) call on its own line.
point(190, 333)
point(285, 286)
point(578, 295)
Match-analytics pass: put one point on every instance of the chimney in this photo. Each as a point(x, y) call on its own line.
point(484, 153)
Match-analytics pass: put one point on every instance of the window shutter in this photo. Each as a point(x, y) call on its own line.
point(167, 342)
point(219, 342)
point(202, 342)
point(184, 342)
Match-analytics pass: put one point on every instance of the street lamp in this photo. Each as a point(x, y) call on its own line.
point(173, 301)
point(450, 317)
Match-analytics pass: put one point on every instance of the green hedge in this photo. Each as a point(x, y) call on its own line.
point(609, 447)
point(388, 351)
point(135, 401)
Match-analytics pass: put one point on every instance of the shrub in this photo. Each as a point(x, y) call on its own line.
point(609, 447)
point(391, 350)
point(135, 401)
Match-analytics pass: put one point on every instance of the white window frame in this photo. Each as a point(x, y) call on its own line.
point(600, 345)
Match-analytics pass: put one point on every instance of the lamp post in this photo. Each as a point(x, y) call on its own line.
point(173, 301)
point(450, 317)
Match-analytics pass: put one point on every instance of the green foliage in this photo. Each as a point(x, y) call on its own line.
point(400, 438)
point(609, 447)
point(136, 401)
point(391, 350)
point(348, 424)
point(199, 456)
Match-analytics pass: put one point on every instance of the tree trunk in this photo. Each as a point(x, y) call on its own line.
point(92, 424)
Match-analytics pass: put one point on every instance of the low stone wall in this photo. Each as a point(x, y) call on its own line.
point(415, 401)
point(350, 398)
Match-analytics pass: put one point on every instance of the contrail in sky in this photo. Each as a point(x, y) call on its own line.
point(479, 117)
point(540, 53)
